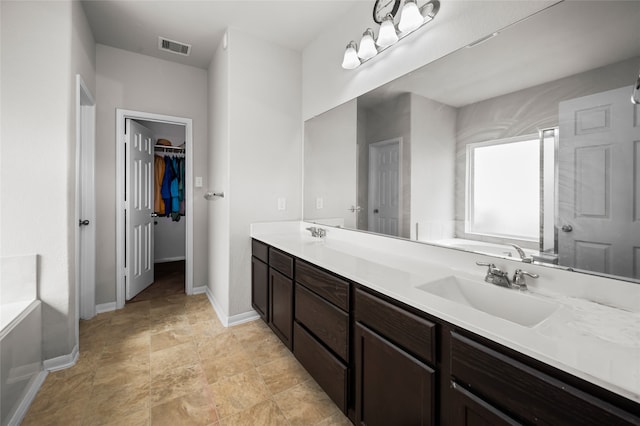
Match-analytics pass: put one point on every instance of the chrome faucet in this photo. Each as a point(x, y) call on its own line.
point(495, 275)
point(519, 282)
point(522, 254)
point(317, 232)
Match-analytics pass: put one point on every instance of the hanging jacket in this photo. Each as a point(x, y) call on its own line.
point(175, 187)
point(166, 185)
point(158, 202)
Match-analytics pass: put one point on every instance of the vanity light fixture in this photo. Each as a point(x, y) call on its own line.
point(351, 60)
point(412, 18)
point(367, 49)
point(388, 34)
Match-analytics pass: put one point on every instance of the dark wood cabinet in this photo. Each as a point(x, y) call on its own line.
point(383, 362)
point(392, 386)
point(469, 410)
point(322, 330)
point(260, 287)
point(281, 312)
point(272, 289)
point(394, 383)
point(526, 393)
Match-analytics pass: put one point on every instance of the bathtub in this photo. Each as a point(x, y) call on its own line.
point(21, 370)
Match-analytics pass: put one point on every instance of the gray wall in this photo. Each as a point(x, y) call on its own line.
point(142, 83)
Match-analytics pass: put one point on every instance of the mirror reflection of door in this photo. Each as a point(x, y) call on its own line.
point(599, 190)
point(384, 187)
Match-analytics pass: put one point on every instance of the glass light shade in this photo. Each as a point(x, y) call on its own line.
point(367, 48)
point(350, 60)
point(411, 18)
point(387, 35)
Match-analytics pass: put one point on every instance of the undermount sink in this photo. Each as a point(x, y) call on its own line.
point(505, 303)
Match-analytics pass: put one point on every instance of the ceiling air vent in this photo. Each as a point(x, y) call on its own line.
point(174, 46)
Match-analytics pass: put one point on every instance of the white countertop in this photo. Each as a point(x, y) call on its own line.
point(595, 342)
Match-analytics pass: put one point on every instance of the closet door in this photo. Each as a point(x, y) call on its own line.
point(139, 196)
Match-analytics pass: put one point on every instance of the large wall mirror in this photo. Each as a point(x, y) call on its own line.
point(528, 137)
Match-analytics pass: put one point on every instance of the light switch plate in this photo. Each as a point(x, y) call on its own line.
point(282, 203)
point(198, 181)
point(319, 203)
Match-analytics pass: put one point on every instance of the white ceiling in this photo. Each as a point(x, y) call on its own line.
point(136, 25)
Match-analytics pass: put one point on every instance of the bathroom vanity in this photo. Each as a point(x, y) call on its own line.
point(388, 352)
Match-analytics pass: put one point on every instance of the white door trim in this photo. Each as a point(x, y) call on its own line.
point(121, 272)
point(85, 204)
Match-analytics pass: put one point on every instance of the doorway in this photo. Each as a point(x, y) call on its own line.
point(147, 234)
point(385, 181)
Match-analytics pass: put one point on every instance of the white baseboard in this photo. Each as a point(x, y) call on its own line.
point(28, 397)
point(63, 361)
point(169, 259)
point(105, 307)
point(199, 290)
point(230, 321)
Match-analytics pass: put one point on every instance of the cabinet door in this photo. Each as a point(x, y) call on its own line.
point(392, 387)
point(281, 309)
point(260, 288)
point(470, 410)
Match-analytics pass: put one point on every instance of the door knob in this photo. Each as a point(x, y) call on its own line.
point(154, 215)
point(567, 228)
point(376, 211)
point(83, 222)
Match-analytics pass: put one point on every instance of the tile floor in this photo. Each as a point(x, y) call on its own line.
point(169, 361)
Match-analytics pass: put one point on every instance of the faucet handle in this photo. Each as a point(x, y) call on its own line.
point(519, 279)
point(492, 269)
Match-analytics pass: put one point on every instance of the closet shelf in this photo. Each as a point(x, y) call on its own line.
point(167, 148)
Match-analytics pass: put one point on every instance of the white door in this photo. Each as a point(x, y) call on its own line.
point(384, 187)
point(139, 197)
point(598, 188)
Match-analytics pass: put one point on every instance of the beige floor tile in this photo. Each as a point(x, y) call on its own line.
point(126, 348)
point(108, 401)
point(305, 404)
point(71, 413)
point(168, 323)
point(219, 345)
point(169, 338)
point(250, 332)
point(172, 357)
point(283, 373)
point(265, 350)
point(168, 311)
point(134, 370)
point(204, 314)
point(192, 409)
point(177, 382)
point(215, 368)
point(265, 413)
point(139, 417)
point(235, 394)
point(206, 329)
point(338, 419)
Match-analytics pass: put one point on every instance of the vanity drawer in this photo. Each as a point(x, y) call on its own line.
point(327, 370)
point(330, 287)
point(281, 262)
point(328, 323)
point(415, 334)
point(525, 392)
point(260, 250)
